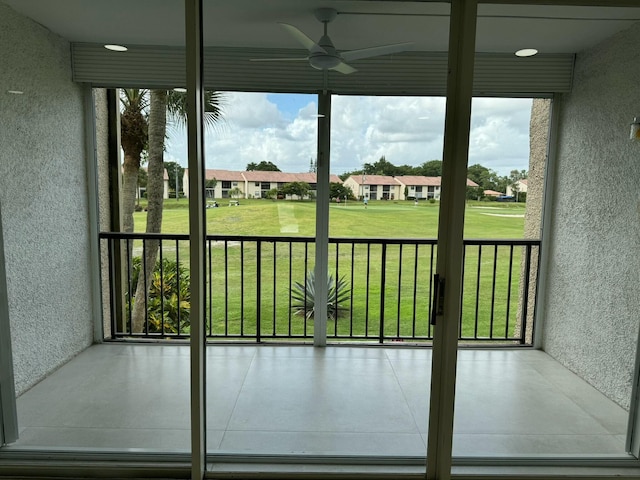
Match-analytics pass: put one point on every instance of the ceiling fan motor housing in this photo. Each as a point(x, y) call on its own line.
point(327, 59)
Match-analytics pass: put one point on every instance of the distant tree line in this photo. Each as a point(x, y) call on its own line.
point(431, 168)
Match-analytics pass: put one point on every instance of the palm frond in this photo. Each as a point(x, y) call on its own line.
point(177, 107)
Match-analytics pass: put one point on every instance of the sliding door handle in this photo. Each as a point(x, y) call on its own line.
point(437, 306)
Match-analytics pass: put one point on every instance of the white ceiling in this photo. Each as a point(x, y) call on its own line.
point(364, 23)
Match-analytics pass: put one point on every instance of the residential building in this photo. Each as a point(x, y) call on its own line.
point(224, 182)
point(520, 187)
point(403, 187)
point(253, 184)
point(374, 187)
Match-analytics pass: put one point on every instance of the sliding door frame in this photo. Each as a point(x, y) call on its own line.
point(8, 411)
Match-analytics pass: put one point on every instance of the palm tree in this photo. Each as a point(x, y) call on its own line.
point(134, 123)
point(165, 108)
point(134, 138)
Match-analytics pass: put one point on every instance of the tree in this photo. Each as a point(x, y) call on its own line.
point(337, 189)
point(148, 112)
point(300, 189)
point(155, 198)
point(514, 178)
point(133, 137)
point(475, 193)
point(381, 167)
point(272, 194)
point(209, 187)
point(345, 175)
point(480, 175)
point(134, 126)
point(432, 168)
point(487, 178)
point(235, 192)
point(263, 166)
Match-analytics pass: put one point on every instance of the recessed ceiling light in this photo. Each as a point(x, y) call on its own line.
point(180, 89)
point(116, 48)
point(526, 52)
point(15, 92)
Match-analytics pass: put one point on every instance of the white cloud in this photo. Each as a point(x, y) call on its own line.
point(406, 130)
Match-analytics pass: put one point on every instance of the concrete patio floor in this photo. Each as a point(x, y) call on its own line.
point(274, 399)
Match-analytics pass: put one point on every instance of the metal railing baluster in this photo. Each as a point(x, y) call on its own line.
point(361, 262)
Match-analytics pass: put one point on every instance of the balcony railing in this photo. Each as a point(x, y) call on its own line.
point(386, 294)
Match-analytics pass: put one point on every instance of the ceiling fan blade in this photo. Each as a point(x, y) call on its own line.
point(303, 38)
point(283, 59)
point(352, 55)
point(344, 68)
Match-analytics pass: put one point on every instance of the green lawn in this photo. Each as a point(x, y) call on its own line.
point(393, 219)
point(232, 285)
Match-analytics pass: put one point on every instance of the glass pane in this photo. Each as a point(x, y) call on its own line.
point(347, 399)
point(72, 392)
point(568, 392)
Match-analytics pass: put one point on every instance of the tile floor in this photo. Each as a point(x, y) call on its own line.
point(301, 400)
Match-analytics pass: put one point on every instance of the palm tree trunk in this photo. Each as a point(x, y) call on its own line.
point(129, 186)
point(155, 198)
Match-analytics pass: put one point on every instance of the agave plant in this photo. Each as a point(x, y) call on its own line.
point(303, 296)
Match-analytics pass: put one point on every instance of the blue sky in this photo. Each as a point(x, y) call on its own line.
point(281, 128)
point(288, 104)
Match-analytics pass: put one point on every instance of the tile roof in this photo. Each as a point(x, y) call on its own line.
point(419, 180)
point(284, 177)
point(374, 180)
point(261, 176)
point(221, 175)
point(416, 180)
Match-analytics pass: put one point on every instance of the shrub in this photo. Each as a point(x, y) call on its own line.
point(303, 296)
point(166, 285)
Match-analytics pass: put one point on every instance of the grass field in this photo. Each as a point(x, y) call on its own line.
point(393, 219)
point(232, 286)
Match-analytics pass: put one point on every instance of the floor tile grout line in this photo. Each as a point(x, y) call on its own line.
point(404, 396)
point(584, 410)
point(235, 403)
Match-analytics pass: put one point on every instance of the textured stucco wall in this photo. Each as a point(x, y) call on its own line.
point(102, 168)
point(43, 192)
point(538, 142)
point(593, 289)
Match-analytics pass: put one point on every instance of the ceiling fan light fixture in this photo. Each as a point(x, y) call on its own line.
point(324, 62)
point(526, 52)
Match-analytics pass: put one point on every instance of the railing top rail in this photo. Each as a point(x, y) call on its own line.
point(502, 241)
point(306, 239)
point(143, 236)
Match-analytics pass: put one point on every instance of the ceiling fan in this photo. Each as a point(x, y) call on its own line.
point(324, 56)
